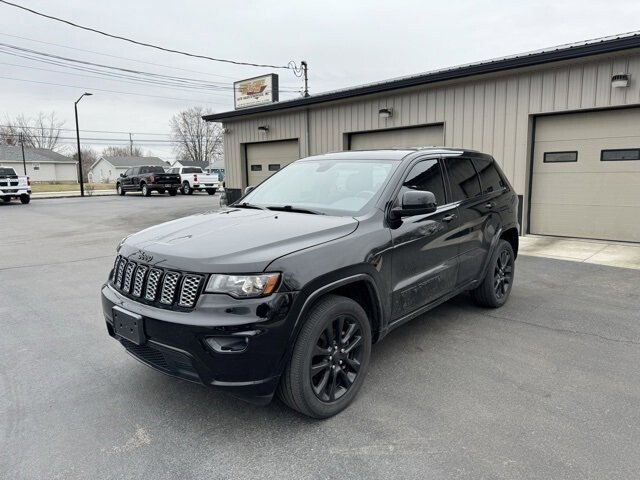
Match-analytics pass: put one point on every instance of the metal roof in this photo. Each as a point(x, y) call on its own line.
point(13, 153)
point(126, 162)
point(571, 51)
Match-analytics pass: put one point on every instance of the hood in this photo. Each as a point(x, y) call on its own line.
point(232, 240)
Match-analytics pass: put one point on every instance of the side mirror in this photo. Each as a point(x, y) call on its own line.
point(122, 175)
point(248, 189)
point(415, 202)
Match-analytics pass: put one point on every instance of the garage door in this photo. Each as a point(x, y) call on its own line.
point(398, 138)
point(264, 159)
point(586, 175)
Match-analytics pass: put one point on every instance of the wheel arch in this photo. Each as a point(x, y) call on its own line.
point(512, 236)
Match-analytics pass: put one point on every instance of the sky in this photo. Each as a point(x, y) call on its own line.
point(346, 43)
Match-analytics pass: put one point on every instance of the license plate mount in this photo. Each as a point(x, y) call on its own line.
point(129, 326)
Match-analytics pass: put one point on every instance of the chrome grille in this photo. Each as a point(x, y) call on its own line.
point(120, 272)
point(169, 287)
point(163, 288)
point(152, 284)
point(189, 291)
point(128, 276)
point(138, 283)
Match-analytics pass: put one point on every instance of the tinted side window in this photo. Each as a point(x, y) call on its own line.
point(463, 178)
point(489, 177)
point(135, 171)
point(427, 176)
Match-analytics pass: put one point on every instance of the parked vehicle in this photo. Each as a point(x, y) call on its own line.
point(216, 171)
point(147, 179)
point(195, 179)
point(286, 290)
point(13, 185)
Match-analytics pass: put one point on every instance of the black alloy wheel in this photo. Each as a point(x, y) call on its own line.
point(120, 190)
point(329, 360)
point(503, 274)
point(336, 359)
point(496, 286)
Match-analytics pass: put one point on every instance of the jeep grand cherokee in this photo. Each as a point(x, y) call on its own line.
point(286, 290)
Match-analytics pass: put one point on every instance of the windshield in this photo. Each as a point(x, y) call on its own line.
point(7, 171)
point(335, 187)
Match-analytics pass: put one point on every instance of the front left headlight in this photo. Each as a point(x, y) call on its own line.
point(243, 286)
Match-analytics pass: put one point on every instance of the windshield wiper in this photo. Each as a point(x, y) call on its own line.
point(289, 208)
point(249, 205)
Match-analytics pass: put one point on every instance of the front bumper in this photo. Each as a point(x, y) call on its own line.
point(14, 192)
point(175, 341)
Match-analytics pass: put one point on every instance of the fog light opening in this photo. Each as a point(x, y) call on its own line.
point(227, 344)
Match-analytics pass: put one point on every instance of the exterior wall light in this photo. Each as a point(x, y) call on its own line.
point(620, 80)
point(385, 113)
point(226, 130)
point(263, 129)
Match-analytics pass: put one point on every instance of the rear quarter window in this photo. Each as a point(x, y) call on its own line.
point(490, 178)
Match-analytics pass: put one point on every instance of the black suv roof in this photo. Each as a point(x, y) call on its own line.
point(390, 153)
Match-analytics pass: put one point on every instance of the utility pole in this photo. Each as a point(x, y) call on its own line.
point(130, 144)
point(24, 162)
point(305, 69)
point(75, 106)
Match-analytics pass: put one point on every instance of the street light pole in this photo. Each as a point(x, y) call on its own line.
point(75, 106)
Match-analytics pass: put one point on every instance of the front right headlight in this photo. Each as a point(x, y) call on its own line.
point(243, 286)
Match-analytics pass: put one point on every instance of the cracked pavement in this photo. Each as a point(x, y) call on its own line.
point(546, 387)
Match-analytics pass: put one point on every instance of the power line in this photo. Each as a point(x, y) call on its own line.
point(136, 42)
point(110, 91)
point(117, 56)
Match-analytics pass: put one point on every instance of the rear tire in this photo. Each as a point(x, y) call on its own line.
point(146, 191)
point(495, 288)
point(6, 199)
point(161, 191)
point(120, 190)
point(329, 360)
point(186, 189)
point(172, 192)
point(25, 199)
point(211, 191)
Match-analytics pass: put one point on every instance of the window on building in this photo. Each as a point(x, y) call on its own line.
point(620, 155)
point(36, 166)
point(560, 157)
point(274, 167)
point(256, 168)
point(426, 176)
point(489, 176)
point(463, 178)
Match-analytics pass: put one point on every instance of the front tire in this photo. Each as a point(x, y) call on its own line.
point(146, 191)
point(25, 199)
point(120, 190)
point(329, 360)
point(172, 192)
point(495, 288)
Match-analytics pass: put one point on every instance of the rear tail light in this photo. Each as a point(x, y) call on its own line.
point(195, 178)
point(152, 179)
point(28, 181)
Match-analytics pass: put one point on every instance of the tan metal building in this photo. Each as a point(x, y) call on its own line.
point(563, 123)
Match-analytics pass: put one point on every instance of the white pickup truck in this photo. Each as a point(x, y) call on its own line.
point(193, 178)
point(13, 185)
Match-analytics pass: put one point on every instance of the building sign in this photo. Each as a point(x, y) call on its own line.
point(255, 91)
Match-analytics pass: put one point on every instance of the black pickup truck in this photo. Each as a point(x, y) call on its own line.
point(147, 179)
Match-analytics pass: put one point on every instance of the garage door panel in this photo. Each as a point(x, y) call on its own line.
point(589, 198)
point(398, 138)
point(266, 158)
point(588, 222)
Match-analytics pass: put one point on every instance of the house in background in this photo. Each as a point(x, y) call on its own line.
point(189, 163)
point(43, 165)
point(108, 169)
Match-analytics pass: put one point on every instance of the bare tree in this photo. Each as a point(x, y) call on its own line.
point(195, 139)
point(122, 151)
point(40, 132)
point(89, 156)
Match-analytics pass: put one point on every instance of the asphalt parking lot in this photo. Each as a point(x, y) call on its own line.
point(547, 387)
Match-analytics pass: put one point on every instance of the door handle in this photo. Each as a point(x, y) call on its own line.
point(448, 218)
point(490, 205)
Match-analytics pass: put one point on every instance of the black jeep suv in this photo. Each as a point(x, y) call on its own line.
point(286, 290)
